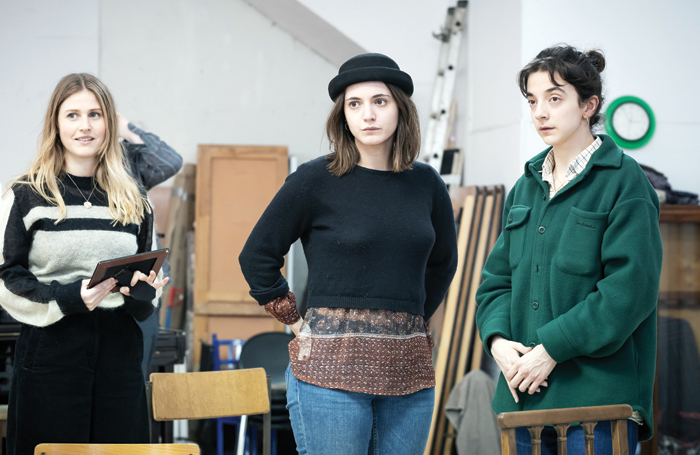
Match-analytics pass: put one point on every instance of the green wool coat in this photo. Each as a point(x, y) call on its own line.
point(579, 274)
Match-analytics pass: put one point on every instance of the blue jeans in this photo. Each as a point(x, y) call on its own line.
point(575, 442)
point(333, 421)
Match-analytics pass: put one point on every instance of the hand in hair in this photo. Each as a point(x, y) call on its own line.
point(150, 279)
point(94, 296)
point(124, 131)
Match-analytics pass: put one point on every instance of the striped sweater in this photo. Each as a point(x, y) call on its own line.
point(43, 263)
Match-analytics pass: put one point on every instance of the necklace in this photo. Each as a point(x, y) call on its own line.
point(87, 202)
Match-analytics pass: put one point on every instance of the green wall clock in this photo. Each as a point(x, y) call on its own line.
point(630, 121)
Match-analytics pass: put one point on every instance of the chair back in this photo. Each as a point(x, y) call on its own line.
point(116, 449)
point(270, 351)
point(209, 394)
point(232, 353)
point(561, 419)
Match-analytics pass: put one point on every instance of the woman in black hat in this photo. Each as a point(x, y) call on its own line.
point(378, 232)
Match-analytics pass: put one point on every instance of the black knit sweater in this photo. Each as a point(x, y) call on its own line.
point(372, 239)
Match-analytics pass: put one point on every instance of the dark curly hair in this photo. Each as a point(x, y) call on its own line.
point(580, 69)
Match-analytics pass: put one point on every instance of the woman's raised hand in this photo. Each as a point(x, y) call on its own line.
point(94, 296)
point(140, 276)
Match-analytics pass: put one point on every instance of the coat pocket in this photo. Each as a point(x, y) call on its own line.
point(516, 225)
point(580, 243)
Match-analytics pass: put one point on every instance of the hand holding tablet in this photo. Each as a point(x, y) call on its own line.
point(137, 273)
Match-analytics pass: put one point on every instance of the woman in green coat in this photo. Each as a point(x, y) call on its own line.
point(567, 307)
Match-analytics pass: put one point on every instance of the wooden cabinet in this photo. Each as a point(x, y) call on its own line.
point(677, 400)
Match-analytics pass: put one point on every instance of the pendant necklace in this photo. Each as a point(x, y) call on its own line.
point(87, 202)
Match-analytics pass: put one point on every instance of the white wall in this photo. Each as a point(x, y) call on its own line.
point(213, 71)
point(489, 121)
point(40, 42)
point(651, 51)
point(401, 29)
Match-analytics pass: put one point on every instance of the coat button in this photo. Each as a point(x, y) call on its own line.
point(541, 229)
point(535, 305)
point(533, 344)
point(510, 219)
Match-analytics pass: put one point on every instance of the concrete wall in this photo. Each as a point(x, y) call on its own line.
point(39, 44)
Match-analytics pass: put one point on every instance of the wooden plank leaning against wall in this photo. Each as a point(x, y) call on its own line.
point(234, 186)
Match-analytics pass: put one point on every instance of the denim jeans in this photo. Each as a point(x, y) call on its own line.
point(333, 421)
point(575, 442)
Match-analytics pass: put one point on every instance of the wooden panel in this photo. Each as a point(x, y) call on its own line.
point(671, 213)
point(160, 199)
point(564, 415)
point(209, 394)
point(116, 449)
point(452, 314)
point(681, 257)
point(234, 186)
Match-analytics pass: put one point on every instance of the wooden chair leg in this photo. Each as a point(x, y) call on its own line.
point(561, 437)
point(619, 437)
point(535, 440)
point(508, 446)
point(588, 430)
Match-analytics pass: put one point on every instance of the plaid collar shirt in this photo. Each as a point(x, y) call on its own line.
point(575, 168)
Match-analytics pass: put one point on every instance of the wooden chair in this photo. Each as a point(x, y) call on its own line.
point(190, 396)
point(116, 449)
point(212, 394)
point(561, 419)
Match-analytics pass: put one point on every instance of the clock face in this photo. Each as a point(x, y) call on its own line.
point(631, 121)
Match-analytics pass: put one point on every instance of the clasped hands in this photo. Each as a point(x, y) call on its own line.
point(94, 296)
point(524, 368)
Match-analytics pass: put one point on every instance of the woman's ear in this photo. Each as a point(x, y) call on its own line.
point(590, 107)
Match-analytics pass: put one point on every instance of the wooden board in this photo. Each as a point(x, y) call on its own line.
point(462, 343)
point(460, 348)
point(234, 186)
point(180, 223)
point(209, 394)
point(496, 228)
point(452, 313)
point(450, 306)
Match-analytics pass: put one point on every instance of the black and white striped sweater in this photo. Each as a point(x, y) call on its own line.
point(43, 263)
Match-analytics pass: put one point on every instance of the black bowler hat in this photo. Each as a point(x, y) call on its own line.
point(369, 67)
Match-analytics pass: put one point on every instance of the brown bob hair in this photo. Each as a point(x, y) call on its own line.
point(406, 142)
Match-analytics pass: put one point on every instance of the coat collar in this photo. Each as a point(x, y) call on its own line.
point(607, 155)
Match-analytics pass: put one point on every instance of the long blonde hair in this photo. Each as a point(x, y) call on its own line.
point(126, 203)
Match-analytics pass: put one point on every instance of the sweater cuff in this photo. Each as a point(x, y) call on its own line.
point(69, 299)
point(495, 326)
point(139, 309)
point(284, 309)
point(556, 342)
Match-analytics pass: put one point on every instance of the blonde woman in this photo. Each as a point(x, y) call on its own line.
point(77, 372)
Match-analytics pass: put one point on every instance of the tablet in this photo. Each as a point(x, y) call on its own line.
point(126, 266)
